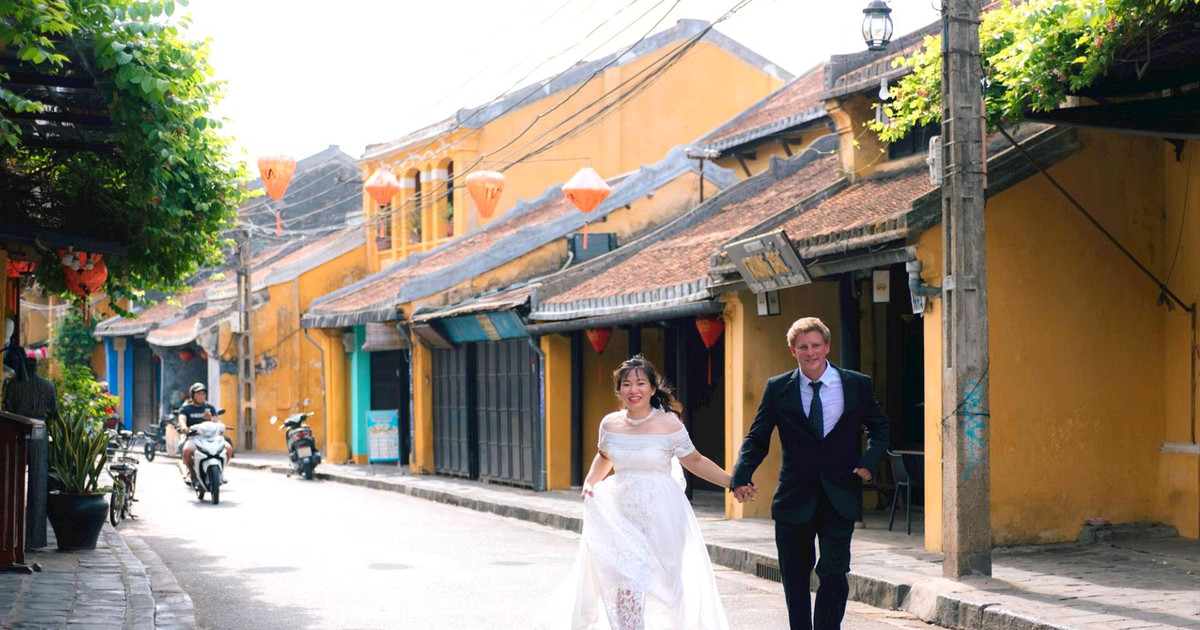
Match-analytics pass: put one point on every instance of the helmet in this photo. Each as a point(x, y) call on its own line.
point(197, 387)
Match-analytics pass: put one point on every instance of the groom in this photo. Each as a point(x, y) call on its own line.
point(820, 411)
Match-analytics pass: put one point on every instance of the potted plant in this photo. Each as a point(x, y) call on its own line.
point(414, 227)
point(77, 457)
point(449, 217)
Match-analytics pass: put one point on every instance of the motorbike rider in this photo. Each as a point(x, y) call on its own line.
point(198, 410)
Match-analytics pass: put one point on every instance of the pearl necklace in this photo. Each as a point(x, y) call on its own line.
point(633, 422)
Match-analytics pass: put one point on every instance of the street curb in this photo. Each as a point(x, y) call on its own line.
point(173, 607)
point(139, 599)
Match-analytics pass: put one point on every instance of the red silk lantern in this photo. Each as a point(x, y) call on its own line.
point(90, 275)
point(586, 190)
point(599, 338)
point(14, 270)
point(187, 354)
point(710, 327)
point(203, 354)
point(485, 188)
point(276, 172)
point(382, 186)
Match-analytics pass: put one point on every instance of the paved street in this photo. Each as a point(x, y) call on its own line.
point(361, 558)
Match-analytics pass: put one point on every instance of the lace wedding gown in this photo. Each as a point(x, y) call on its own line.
point(642, 563)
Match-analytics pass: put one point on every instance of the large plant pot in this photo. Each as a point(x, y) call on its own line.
point(77, 519)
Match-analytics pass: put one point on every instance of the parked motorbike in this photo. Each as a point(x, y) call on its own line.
point(156, 437)
point(302, 447)
point(209, 461)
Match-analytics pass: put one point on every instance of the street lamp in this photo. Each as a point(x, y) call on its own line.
point(877, 25)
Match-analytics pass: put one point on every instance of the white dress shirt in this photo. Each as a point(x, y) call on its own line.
point(833, 401)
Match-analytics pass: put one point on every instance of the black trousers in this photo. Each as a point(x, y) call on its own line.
point(796, 561)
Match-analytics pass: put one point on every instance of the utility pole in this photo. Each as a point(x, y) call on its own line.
point(966, 482)
point(245, 346)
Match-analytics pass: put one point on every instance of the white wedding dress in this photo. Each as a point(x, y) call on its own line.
point(642, 563)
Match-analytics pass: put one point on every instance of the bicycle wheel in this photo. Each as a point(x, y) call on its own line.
point(116, 503)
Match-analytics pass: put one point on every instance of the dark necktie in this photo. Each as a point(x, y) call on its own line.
point(816, 412)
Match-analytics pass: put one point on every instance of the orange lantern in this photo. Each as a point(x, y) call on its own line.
point(85, 274)
point(586, 190)
point(276, 172)
point(187, 354)
point(599, 338)
point(710, 327)
point(485, 188)
point(382, 186)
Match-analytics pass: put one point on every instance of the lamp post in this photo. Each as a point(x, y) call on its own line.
point(877, 25)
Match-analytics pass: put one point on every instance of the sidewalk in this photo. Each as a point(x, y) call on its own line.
point(117, 585)
point(1119, 585)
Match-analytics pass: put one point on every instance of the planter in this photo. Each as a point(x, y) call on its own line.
point(77, 519)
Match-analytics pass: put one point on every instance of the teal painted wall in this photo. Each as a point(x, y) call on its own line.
point(360, 393)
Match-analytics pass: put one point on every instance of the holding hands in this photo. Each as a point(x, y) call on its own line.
point(745, 493)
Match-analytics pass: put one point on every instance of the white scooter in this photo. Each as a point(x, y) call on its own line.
point(209, 460)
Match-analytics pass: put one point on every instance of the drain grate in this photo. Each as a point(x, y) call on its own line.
point(767, 572)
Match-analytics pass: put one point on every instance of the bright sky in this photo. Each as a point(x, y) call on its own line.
point(303, 75)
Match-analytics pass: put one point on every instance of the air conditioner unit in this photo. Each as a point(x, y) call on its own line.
point(599, 243)
point(934, 160)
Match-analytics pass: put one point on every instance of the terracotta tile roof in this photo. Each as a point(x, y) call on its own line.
point(531, 224)
point(876, 206)
point(185, 330)
point(285, 262)
point(790, 105)
point(151, 316)
point(379, 292)
point(683, 258)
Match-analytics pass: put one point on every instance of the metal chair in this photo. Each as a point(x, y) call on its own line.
point(903, 479)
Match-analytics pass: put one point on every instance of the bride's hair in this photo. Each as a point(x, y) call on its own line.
point(663, 397)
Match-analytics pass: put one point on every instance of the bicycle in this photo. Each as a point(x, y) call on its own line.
point(123, 470)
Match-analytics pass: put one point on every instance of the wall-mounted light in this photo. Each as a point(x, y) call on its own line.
point(877, 25)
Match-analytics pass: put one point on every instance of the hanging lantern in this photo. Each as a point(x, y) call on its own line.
point(599, 338)
point(586, 190)
point(14, 270)
point(382, 186)
point(187, 354)
point(276, 172)
point(203, 354)
point(710, 327)
point(877, 25)
point(485, 188)
point(86, 274)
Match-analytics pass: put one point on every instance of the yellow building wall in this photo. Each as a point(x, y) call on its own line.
point(764, 152)
point(668, 202)
point(755, 350)
point(1179, 473)
point(929, 252)
point(291, 366)
point(641, 131)
point(422, 383)
point(1071, 317)
point(599, 397)
point(557, 349)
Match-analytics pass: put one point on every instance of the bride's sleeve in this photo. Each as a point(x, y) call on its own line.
point(681, 444)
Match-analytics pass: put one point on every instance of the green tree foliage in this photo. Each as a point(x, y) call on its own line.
point(171, 186)
point(73, 341)
point(1035, 53)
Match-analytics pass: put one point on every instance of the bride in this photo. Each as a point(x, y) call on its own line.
point(642, 563)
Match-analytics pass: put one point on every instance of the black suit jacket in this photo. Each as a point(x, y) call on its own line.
point(812, 464)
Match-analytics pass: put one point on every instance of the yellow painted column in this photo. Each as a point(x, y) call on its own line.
point(557, 349)
point(736, 422)
point(929, 253)
point(422, 375)
point(337, 406)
